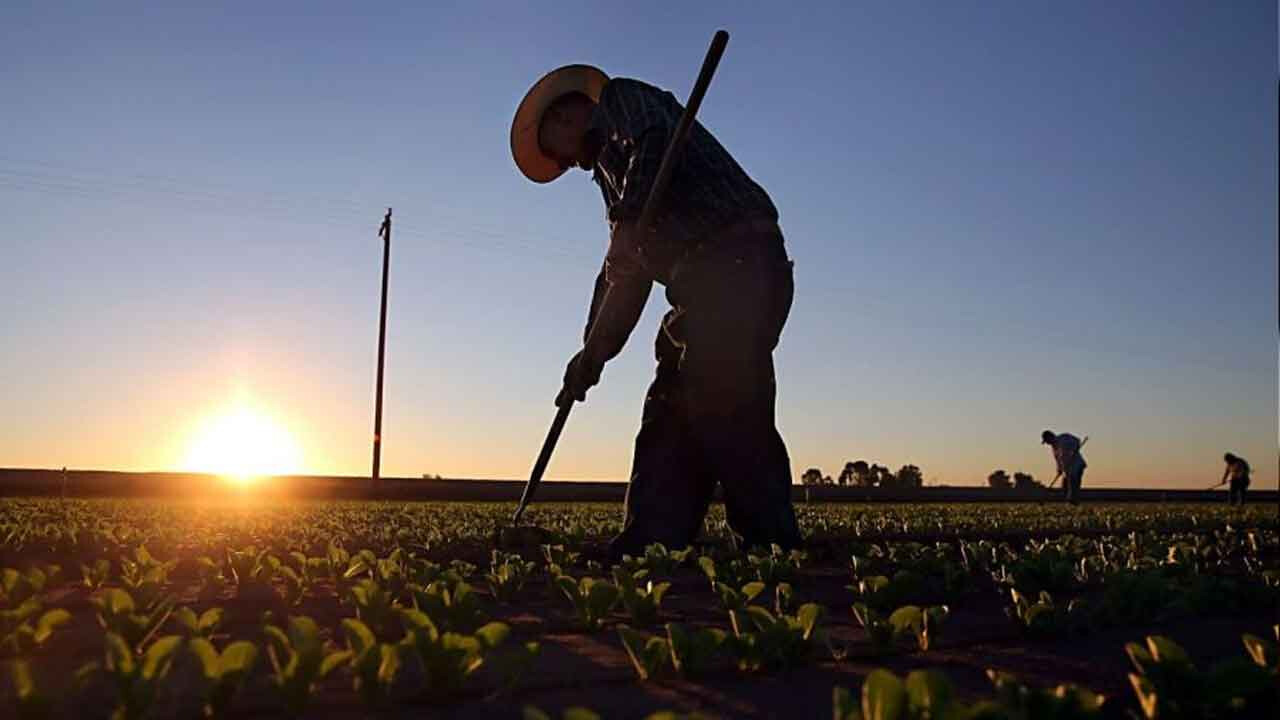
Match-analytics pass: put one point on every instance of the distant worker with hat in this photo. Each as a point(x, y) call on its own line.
point(715, 245)
point(1071, 464)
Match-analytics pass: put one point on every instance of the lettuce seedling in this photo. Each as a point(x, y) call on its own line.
point(592, 599)
point(649, 656)
point(641, 601)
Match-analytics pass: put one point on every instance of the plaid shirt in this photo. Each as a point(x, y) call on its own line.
point(708, 192)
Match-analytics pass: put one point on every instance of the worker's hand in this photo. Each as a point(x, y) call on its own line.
point(581, 375)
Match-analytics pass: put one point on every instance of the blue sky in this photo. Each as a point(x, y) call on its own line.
point(1004, 217)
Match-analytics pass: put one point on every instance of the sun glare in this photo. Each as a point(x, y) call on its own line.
point(243, 444)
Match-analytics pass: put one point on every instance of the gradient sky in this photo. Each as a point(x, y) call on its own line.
point(1005, 217)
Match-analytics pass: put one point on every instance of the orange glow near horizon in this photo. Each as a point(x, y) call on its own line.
point(243, 443)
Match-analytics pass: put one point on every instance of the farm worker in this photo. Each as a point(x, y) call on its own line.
point(1071, 464)
point(715, 245)
point(1237, 473)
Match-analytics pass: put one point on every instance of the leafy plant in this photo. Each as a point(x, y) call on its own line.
point(223, 673)
point(764, 641)
point(658, 560)
point(641, 601)
point(376, 608)
point(203, 625)
point(30, 702)
point(117, 613)
point(451, 605)
point(144, 576)
point(376, 666)
point(927, 694)
point(693, 650)
point(777, 566)
point(924, 625)
point(449, 658)
point(95, 575)
point(135, 680)
point(738, 599)
point(508, 574)
point(558, 558)
point(649, 656)
point(1168, 685)
point(732, 572)
point(1043, 618)
point(1016, 700)
point(884, 593)
point(878, 628)
point(24, 627)
point(885, 696)
point(299, 661)
point(251, 571)
point(592, 599)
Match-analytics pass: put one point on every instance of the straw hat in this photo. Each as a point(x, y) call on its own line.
point(529, 157)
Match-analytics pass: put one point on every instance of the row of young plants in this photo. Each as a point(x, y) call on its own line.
point(426, 648)
point(89, 529)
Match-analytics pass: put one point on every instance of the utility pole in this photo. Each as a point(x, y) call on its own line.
point(385, 232)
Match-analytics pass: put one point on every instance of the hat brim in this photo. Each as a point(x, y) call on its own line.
point(536, 165)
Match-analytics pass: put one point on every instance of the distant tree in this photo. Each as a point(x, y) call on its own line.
point(846, 475)
point(883, 476)
point(1025, 481)
point(862, 475)
point(812, 476)
point(909, 477)
point(999, 480)
point(826, 480)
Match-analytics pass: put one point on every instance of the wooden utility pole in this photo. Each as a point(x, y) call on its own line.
point(385, 232)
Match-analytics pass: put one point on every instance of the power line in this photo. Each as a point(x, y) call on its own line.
point(339, 214)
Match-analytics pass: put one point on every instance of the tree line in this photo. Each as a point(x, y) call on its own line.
point(859, 473)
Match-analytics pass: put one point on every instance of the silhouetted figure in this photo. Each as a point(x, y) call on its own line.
point(1071, 464)
point(715, 245)
point(1236, 473)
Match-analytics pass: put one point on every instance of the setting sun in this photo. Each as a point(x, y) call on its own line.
point(241, 444)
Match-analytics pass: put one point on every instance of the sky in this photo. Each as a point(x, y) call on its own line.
point(1005, 217)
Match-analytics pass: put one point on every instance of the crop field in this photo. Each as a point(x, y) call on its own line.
point(244, 608)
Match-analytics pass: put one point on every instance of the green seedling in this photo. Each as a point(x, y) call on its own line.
point(376, 666)
point(649, 656)
point(731, 572)
point(203, 625)
point(508, 574)
point(641, 601)
point(592, 599)
point(1168, 685)
point(878, 628)
point(223, 673)
point(135, 680)
point(452, 606)
point(448, 658)
point(299, 662)
point(94, 576)
point(738, 599)
point(694, 650)
point(30, 701)
point(117, 613)
point(923, 625)
point(1016, 700)
point(764, 641)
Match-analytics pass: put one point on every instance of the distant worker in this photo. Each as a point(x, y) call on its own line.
point(1071, 464)
point(1237, 473)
